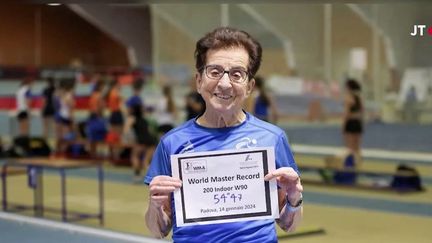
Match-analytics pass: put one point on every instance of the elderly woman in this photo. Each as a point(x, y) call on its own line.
point(224, 125)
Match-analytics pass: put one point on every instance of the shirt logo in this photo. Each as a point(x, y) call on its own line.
point(246, 143)
point(188, 148)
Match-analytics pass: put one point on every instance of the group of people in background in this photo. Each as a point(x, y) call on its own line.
point(127, 123)
point(122, 124)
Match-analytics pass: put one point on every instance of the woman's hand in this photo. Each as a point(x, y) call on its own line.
point(160, 189)
point(158, 215)
point(289, 181)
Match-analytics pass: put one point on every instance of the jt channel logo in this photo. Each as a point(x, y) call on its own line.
point(419, 30)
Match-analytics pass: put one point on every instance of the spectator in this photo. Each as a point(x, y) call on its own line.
point(263, 105)
point(353, 118)
point(23, 102)
point(195, 104)
point(96, 127)
point(166, 111)
point(116, 120)
point(48, 106)
point(144, 143)
point(411, 106)
point(65, 115)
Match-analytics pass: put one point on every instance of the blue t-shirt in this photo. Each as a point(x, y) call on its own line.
point(134, 101)
point(261, 108)
point(191, 137)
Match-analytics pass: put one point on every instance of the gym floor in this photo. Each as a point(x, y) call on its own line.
point(330, 214)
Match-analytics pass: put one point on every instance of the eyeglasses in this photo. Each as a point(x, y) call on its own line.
point(235, 74)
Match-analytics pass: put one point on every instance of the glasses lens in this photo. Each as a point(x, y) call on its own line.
point(214, 71)
point(237, 75)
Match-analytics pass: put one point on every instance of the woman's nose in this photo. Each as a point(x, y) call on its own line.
point(225, 81)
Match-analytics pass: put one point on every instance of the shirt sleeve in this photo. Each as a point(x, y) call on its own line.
point(28, 94)
point(160, 164)
point(284, 155)
point(129, 102)
point(134, 101)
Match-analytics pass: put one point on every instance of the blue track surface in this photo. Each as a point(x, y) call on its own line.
point(17, 228)
point(399, 137)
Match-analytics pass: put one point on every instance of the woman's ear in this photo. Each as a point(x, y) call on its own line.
point(198, 82)
point(250, 86)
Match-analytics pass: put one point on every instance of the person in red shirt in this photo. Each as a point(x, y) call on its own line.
point(116, 119)
point(96, 102)
point(96, 107)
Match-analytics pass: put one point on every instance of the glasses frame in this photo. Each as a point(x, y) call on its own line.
point(227, 72)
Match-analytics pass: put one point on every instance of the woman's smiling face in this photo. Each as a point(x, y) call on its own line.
point(224, 96)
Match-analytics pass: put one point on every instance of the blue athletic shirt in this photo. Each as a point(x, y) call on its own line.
point(261, 108)
point(191, 137)
point(134, 101)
